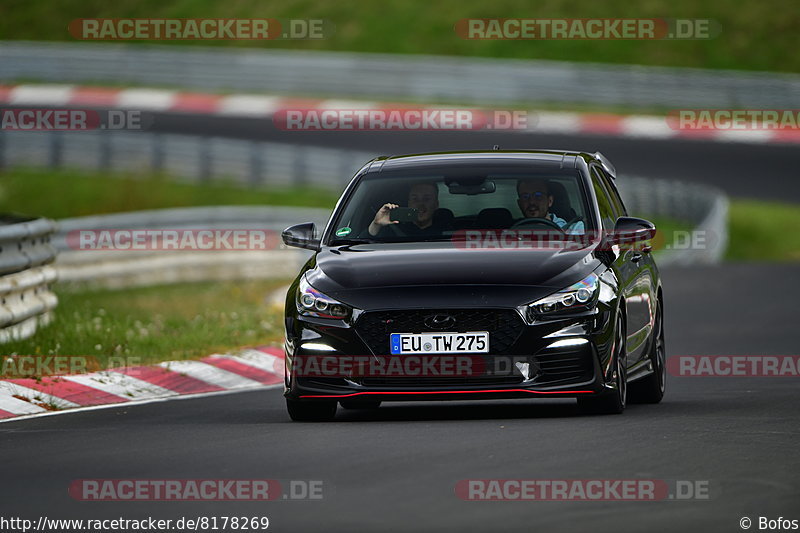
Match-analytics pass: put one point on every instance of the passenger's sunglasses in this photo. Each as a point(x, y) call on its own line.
point(528, 195)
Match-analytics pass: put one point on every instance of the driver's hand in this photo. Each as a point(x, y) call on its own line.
point(382, 218)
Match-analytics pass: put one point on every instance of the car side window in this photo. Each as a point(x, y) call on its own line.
point(616, 200)
point(607, 215)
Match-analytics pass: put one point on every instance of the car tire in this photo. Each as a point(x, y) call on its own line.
point(611, 403)
point(360, 404)
point(651, 389)
point(311, 411)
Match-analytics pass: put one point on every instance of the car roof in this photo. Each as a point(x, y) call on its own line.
point(566, 158)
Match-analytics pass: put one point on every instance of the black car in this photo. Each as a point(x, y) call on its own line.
point(476, 275)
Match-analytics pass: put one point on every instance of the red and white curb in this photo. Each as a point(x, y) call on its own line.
point(249, 368)
point(262, 106)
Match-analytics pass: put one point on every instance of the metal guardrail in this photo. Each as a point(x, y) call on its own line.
point(260, 164)
point(26, 301)
point(479, 81)
point(249, 163)
point(703, 208)
point(120, 268)
point(115, 269)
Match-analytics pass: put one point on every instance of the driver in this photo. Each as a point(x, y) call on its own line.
point(424, 197)
point(534, 200)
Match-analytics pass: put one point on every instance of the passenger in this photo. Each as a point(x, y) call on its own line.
point(424, 197)
point(534, 200)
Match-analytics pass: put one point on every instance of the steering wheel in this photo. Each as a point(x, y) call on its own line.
point(535, 221)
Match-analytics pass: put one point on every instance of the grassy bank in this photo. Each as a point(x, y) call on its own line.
point(62, 194)
point(755, 35)
point(147, 325)
point(763, 231)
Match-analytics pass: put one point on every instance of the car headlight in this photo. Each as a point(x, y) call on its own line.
point(311, 302)
point(577, 298)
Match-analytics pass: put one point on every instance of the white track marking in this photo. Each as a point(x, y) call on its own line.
point(17, 406)
point(33, 394)
point(552, 122)
point(647, 126)
point(249, 105)
point(260, 360)
point(349, 104)
point(210, 374)
point(41, 94)
point(133, 403)
point(146, 99)
point(121, 385)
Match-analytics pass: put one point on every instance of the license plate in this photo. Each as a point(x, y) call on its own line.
point(469, 342)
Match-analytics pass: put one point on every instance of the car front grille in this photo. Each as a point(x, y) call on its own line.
point(504, 326)
point(563, 367)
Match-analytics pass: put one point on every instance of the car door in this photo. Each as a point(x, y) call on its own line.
point(637, 267)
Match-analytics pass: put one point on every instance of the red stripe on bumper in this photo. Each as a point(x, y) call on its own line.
point(449, 392)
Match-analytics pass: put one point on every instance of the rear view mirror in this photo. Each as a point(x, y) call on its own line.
point(301, 236)
point(471, 187)
point(629, 230)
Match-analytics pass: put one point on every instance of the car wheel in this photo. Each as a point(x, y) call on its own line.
point(360, 404)
point(651, 389)
point(311, 411)
point(612, 403)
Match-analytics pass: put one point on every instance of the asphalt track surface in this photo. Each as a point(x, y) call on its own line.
point(765, 171)
point(396, 469)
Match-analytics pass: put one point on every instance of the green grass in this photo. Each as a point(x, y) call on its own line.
point(755, 35)
point(164, 323)
point(666, 231)
point(763, 231)
point(758, 230)
point(61, 194)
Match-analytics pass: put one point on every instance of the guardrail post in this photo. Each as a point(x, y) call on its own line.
point(299, 166)
point(104, 152)
point(157, 155)
point(345, 167)
point(256, 164)
point(205, 159)
point(55, 145)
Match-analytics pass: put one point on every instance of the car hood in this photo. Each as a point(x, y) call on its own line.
point(440, 274)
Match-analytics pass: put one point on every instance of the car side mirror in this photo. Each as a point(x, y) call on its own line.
point(301, 236)
point(630, 230)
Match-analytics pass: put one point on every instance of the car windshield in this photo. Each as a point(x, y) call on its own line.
point(397, 207)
